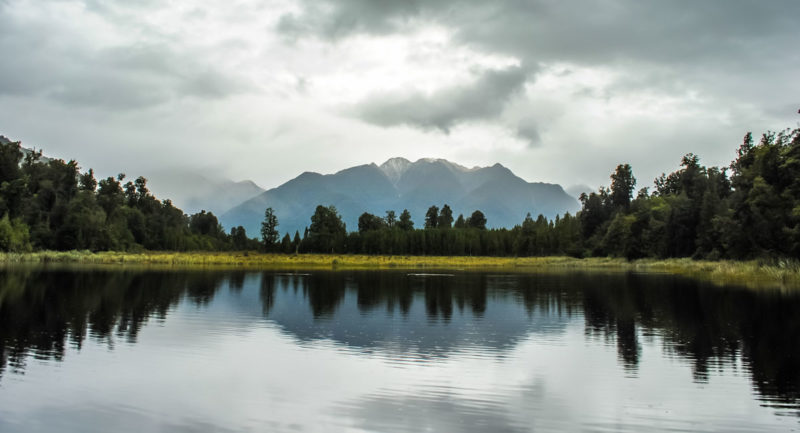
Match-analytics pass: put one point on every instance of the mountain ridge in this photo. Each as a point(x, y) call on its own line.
point(399, 184)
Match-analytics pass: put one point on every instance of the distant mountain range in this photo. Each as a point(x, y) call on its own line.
point(193, 192)
point(400, 184)
point(397, 184)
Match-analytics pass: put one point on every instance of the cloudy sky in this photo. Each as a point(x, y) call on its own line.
point(265, 89)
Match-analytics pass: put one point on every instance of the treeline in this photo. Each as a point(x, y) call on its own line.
point(747, 210)
point(440, 235)
point(703, 212)
point(750, 209)
point(52, 205)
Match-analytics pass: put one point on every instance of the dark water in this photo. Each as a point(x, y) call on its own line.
point(131, 351)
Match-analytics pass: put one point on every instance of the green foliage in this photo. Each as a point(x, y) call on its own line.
point(391, 219)
point(327, 231)
point(432, 217)
point(240, 241)
point(696, 211)
point(54, 206)
point(700, 212)
point(622, 184)
point(14, 236)
point(477, 220)
point(405, 222)
point(445, 219)
point(460, 222)
point(296, 242)
point(10, 159)
point(269, 229)
point(367, 222)
point(286, 244)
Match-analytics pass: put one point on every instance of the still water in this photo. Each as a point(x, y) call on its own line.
point(391, 351)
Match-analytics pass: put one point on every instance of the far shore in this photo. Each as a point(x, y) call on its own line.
point(755, 274)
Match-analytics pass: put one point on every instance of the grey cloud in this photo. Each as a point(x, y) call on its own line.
point(485, 98)
point(108, 92)
point(49, 62)
point(211, 84)
point(718, 47)
point(342, 18)
point(728, 51)
point(583, 31)
point(109, 6)
point(528, 130)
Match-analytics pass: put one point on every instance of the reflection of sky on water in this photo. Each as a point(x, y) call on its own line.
point(283, 354)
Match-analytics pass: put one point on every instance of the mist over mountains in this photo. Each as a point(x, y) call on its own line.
point(400, 184)
point(193, 192)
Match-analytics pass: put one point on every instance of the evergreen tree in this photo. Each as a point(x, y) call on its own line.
point(460, 223)
point(205, 223)
point(390, 219)
point(296, 242)
point(445, 219)
point(239, 239)
point(405, 222)
point(477, 220)
point(269, 229)
point(286, 244)
point(87, 181)
point(327, 231)
point(10, 159)
point(622, 184)
point(368, 221)
point(432, 217)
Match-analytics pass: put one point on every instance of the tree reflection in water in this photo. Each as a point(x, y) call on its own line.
point(44, 311)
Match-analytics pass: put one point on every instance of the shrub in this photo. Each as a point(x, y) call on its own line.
point(14, 236)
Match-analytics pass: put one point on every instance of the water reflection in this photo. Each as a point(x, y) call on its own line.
point(416, 319)
point(419, 318)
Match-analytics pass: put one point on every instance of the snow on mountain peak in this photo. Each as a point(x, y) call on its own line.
point(394, 168)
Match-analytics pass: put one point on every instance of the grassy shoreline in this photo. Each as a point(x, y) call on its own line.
point(750, 273)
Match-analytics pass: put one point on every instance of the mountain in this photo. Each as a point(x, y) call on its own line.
point(193, 192)
point(399, 184)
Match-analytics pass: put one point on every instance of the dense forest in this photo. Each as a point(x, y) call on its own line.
point(52, 205)
point(747, 210)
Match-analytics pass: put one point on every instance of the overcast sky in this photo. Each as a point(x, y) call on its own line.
point(558, 91)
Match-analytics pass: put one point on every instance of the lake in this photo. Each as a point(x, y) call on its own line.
point(125, 350)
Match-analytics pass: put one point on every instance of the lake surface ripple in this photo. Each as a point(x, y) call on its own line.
point(391, 351)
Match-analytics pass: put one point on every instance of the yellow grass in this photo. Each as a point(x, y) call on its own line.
point(750, 273)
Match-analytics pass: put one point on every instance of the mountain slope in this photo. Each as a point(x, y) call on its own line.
point(399, 184)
